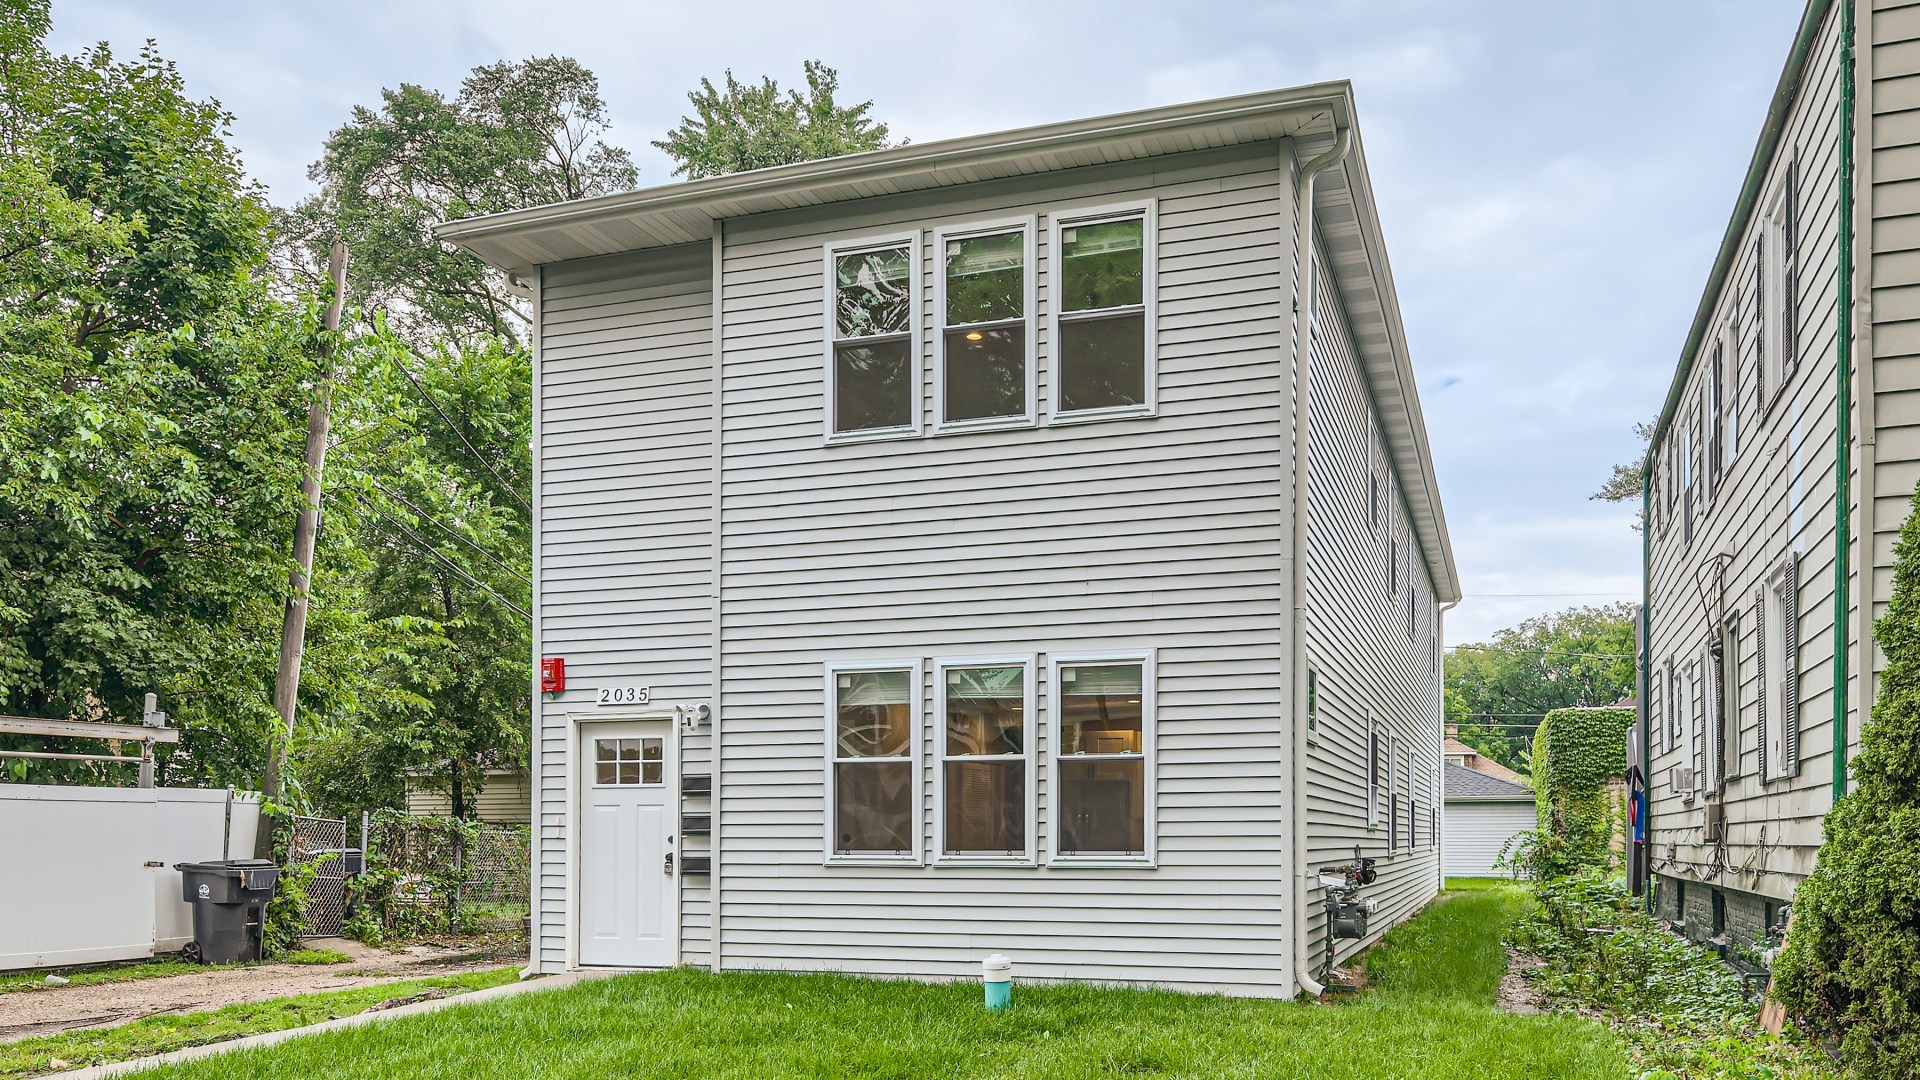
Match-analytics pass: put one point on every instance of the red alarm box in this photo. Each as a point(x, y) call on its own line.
point(553, 674)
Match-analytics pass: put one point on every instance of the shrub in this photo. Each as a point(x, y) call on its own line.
point(1852, 962)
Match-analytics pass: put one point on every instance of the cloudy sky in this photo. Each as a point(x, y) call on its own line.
point(1552, 177)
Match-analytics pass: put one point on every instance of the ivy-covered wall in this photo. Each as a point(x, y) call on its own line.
point(1576, 752)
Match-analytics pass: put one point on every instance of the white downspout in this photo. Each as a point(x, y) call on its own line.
point(1440, 708)
point(1302, 421)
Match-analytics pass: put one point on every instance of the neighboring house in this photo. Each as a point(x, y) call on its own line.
point(918, 531)
point(1757, 552)
point(1483, 813)
point(1459, 753)
point(504, 797)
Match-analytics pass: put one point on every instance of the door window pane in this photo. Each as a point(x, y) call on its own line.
point(626, 762)
point(873, 807)
point(1103, 362)
point(873, 384)
point(652, 761)
point(986, 372)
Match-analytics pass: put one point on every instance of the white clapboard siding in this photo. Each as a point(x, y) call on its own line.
point(1477, 833)
point(1165, 533)
point(626, 408)
point(1357, 642)
point(504, 798)
point(1774, 499)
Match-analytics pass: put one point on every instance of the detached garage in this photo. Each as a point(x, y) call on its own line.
point(1483, 813)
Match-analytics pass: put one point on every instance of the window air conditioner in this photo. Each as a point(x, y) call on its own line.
point(1683, 780)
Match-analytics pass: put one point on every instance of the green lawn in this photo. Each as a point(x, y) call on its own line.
point(159, 1034)
point(143, 969)
point(1427, 1017)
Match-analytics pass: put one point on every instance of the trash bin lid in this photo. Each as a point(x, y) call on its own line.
point(229, 867)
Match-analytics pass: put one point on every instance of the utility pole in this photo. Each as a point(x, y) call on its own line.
point(293, 631)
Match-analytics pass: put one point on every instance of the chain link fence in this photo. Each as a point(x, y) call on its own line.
point(322, 841)
point(446, 875)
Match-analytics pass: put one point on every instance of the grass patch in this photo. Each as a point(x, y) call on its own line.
point(156, 968)
point(159, 1034)
point(1449, 951)
point(1424, 1021)
point(1475, 884)
point(315, 956)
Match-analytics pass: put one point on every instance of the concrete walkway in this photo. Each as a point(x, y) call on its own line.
point(121, 1068)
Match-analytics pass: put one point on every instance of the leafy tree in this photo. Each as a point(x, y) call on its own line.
point(1627, 482)
point(750, 126)
point(1582, 656)
point(1852, 962)
point(151, 386)
point(517, 135)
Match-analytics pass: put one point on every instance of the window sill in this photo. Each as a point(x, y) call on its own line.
point(1102, 862)
point(872, 860)
point(842, 438)
point(984, 860)
point(1094, 416)
point(996, 423)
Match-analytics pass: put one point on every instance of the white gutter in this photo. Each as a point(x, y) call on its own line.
point(1302, 433)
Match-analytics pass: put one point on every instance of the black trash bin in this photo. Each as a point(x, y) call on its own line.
point(229, 899)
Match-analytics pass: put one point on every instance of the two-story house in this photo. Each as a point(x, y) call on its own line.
point(1781, 470)
point(942, 562)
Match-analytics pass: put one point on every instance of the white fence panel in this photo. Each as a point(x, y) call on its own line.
point(89, 871)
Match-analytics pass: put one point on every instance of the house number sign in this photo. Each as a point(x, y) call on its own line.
point(624, 695)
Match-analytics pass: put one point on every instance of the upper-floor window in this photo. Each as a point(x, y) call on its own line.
point(872, 379)
point(985, 342)
point(1102, 331)
point(1777, 265)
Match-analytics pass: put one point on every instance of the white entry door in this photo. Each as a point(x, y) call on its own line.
point(627, 827)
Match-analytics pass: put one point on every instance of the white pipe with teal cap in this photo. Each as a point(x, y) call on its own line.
point(996, 974)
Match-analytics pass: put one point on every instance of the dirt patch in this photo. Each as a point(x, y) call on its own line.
point(110, 1004)
point(1517, 994)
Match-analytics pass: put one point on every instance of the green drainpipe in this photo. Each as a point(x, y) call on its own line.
point(1646, 670)
point(1843, 415)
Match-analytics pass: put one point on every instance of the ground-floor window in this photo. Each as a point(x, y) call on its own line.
point(1101, 739)
point(873, 778)
point(986, 763)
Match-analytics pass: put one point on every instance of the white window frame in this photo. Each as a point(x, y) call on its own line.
point(1029, 747)
point(916, 670)
point(1773, 296)
point(1149, 211)
point(916, 336)
point(1393, 792)
point(1730, 390)
point(1147, 659)
point(1028, 225)
point(1691, 742)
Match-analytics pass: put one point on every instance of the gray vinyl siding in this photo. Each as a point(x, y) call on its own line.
point(1165, 533)
point(1478, 832)
point(1891, 103)
point(1775, 497)
point(1357, 640)
point(503, 799)
point(626, 510)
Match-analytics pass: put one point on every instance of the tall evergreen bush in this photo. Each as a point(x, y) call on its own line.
point(1852, 961)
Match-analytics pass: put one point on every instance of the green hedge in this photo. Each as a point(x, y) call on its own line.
point(1852, 961)
point(1575, 753)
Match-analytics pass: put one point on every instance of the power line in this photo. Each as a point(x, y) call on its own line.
point(1543, 595)
point(449, 563)
point(1542, 652)
point(458, 434)
point(451, 531)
